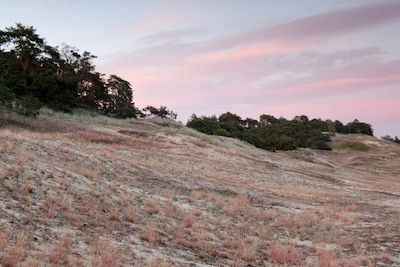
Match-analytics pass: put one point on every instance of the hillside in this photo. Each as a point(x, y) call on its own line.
point(92, 192)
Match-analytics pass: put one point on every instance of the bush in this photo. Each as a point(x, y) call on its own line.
point(28, 106)
point(6, 96)
point(321, 145)
point(221, 132)
point(207, 125)
point(286, 143)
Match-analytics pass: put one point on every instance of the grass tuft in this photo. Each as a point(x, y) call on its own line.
point(356, 146)
point(210, 139)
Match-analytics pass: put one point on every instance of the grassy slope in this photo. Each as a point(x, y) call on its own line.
point(81, 190)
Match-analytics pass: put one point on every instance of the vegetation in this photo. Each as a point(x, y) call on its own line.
point(34, 74)
point(162, 112)
point(357, 146)
point(391, 139)
point(277, 134)
point(354, 127)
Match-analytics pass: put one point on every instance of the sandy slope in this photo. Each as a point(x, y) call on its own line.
point(82, 194)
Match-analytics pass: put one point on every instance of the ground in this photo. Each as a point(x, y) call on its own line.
point(77, 192)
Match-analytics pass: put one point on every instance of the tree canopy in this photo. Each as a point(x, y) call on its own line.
point(277, 133)
point(33, 74)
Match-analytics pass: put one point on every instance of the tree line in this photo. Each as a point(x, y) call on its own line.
point(34, 74)
point(391, 139)
point(272, 133)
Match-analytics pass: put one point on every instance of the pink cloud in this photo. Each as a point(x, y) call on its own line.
point(337, 86)
point(328, 24)
point(244, 53)
point(194, 76)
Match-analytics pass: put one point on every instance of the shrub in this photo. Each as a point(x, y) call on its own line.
point(221, 132)
point(28, 106)
point(286, 143)
point(6, 96)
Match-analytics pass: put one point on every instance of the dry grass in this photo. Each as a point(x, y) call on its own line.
point(247, 251)
point(15, 249)
point(159, 263)
point(61, 250)
point(150, 235)
point(134, 193)
point(104, 254)
point(152, 207)
point(284, 254)
point(208, 139)
point(165, 122)
point(356, 146)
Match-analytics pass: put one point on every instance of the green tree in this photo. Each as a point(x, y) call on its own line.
point(161, 112)
point(121, 99)
point(204, 124)
point(267, 119)
point(27, 46)
point(6, 96)
point(232, 123)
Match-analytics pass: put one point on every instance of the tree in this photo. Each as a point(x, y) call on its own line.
point(28, 106)
point(271, 133)
point(250, 123)
point(340, 128)
point(302, 118)
point(208, 125)
point(6, 96)
point(360, 127)
point(60, 78)
point(161, 112)
point(232, 123)
point(267, 119)
point(27, 46)
point(121, 99)
point(389, 138)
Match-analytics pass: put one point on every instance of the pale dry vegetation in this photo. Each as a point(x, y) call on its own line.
point(106, 193)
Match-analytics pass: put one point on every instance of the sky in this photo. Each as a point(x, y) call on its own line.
point(336, 59)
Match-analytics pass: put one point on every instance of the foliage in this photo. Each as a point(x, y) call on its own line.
point(161, 112)
point(61, 78)
point(207, 125)
point(6, 96)
point(276, 134)
point(121, 100)
point(354, 127)
point(28, 106)
point(391, 139)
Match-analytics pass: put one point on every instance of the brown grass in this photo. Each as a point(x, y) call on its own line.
point(158, 263)
point(284, 254)
point(150, 235)
point(247, 250)
point(61, 250)
point(3, 239)
point(135, 193)
point(152, 207)
point(104, 254)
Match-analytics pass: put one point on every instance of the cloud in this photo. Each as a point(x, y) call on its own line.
point(328, 24)
point(289, 64)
